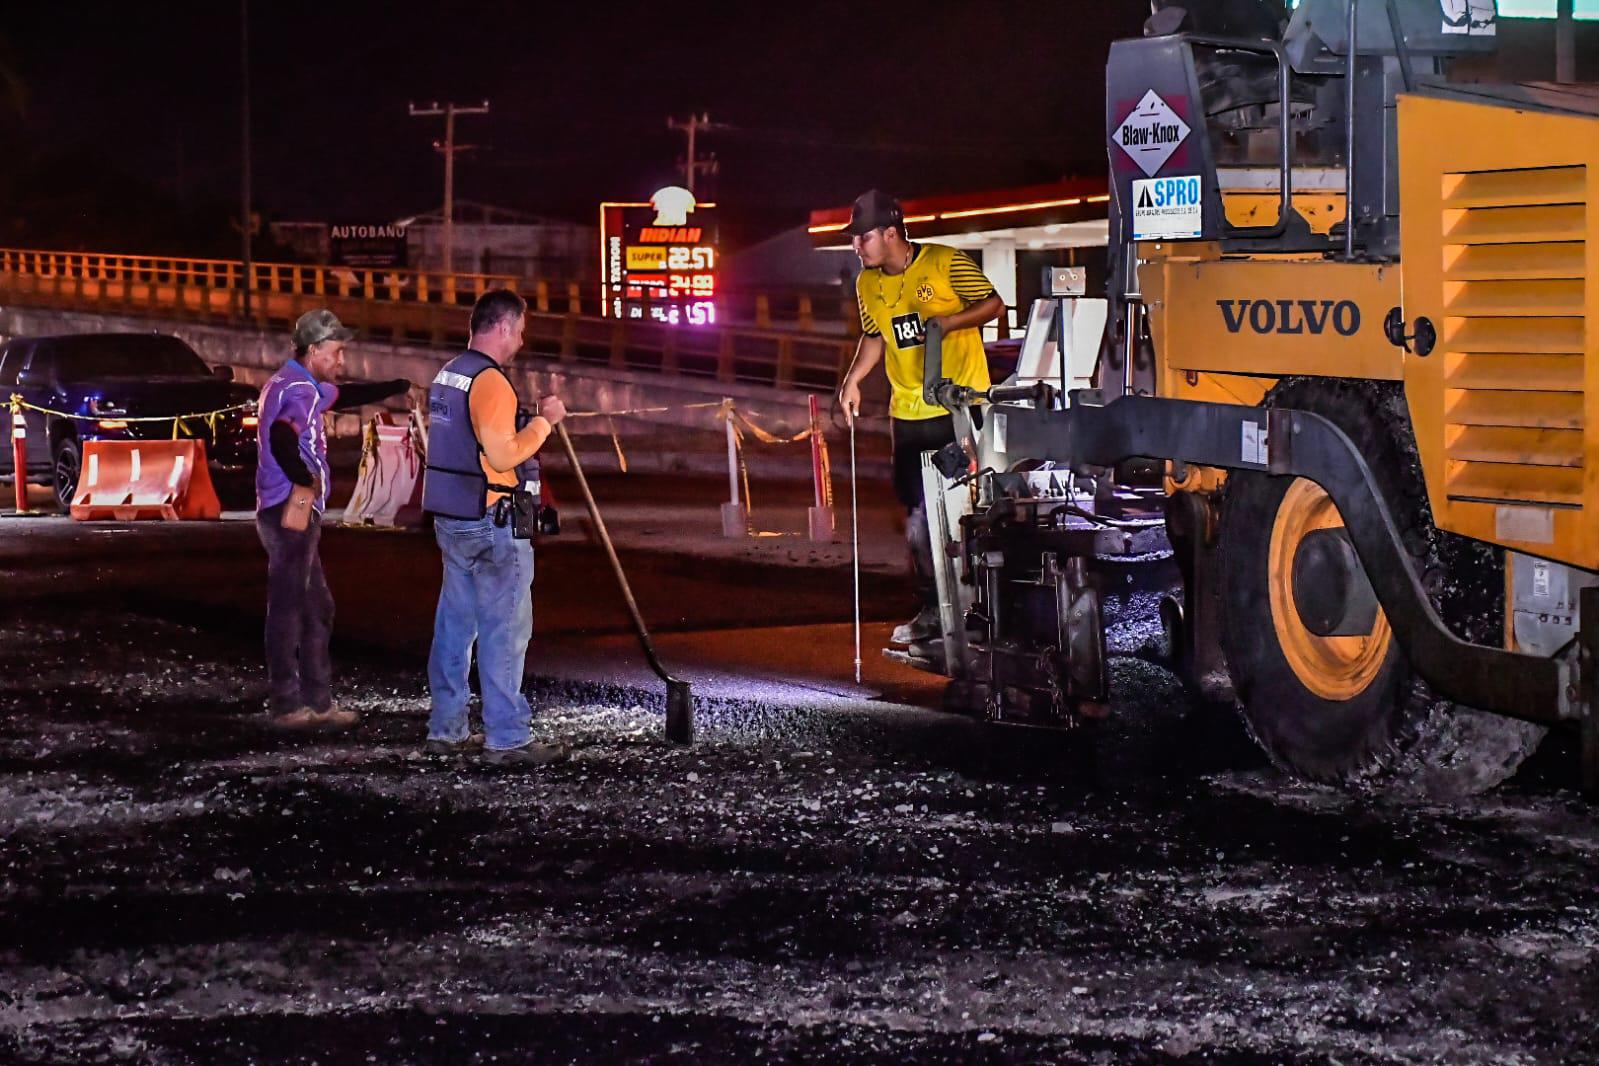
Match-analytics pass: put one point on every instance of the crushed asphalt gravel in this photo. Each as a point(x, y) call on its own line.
point(819, 876)
point(855, 881)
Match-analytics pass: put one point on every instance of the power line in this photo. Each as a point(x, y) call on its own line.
point(449, 148)
point(692, 127)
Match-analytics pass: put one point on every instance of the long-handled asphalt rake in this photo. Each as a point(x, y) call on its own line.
point(679, 700)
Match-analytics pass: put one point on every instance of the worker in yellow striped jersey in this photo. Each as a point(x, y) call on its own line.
point(901, 288)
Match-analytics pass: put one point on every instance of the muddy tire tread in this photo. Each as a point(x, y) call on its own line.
point(1430, 748)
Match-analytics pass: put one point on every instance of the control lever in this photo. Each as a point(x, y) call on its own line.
point(1041, 393)
point(940, 391)
point(958, 399)
point(933, 380)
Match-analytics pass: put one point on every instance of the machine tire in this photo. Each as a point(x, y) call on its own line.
point(1373, 724)
point(66, 466)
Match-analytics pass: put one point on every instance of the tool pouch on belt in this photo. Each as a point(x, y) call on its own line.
point(518, 509)
point(524, 515)
point(529, 510)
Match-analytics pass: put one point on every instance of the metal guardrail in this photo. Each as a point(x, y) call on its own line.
point(412, 306)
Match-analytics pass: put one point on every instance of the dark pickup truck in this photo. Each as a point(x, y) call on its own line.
point(107, 380)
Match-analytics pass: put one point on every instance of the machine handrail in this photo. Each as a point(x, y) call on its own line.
point(1285, 166)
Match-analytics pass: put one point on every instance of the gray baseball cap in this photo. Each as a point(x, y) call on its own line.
point(320, 325)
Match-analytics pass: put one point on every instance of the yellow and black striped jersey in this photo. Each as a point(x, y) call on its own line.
point(939, 281)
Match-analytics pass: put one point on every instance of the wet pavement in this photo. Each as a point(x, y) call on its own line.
point(826, 873)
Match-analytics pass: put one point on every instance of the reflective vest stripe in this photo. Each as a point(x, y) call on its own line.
point(450, 379)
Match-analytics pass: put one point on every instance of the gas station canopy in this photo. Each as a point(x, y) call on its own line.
point(999, 223)
point(1063, 214)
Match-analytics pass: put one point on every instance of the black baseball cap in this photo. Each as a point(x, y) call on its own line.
point(874, 210)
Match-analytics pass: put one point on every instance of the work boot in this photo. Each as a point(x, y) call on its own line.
point(471, 742)
point(297, 720)
point(924, 626)
point(336, 717)
point(931, 651)
point(529, 754)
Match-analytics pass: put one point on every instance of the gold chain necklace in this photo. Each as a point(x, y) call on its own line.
point(910, 254)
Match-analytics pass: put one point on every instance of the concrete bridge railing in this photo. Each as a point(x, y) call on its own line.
point(416, 309)
point(254, 354)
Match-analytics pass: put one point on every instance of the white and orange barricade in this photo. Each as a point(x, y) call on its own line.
point(388, 485)
point(129, 480)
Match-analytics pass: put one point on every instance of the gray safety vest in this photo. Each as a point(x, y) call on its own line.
point(454, 483)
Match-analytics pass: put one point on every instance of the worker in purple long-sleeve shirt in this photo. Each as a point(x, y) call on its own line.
point(291, 490)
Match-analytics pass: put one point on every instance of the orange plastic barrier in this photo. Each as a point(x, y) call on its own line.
point(128, 480)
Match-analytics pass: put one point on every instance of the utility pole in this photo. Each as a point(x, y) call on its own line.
point(449, 148)
point(244, 127)
point(693, 126)
point(1565, 42)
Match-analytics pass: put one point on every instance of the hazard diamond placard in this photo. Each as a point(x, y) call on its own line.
point(1151, 133)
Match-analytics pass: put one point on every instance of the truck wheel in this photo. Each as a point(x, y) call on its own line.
point(1322, 683)
point(66, 464)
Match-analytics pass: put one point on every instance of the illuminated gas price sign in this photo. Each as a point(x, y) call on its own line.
point(659, 260)
point(668, 272)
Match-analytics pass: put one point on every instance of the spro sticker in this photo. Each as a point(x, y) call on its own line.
point(1167, 209)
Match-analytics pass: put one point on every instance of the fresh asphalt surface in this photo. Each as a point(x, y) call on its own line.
point(832, 870)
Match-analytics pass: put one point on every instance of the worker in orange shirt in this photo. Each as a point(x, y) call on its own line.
point(482, 486)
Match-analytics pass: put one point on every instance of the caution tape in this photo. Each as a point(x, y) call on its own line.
point(18, 405)
point(616, 442)
point(827, 471)
point(725, 409)
point(743, 423)
point(611, 417)
point(644, 410)
point(742, 426)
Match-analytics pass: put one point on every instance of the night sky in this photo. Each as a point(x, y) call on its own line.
point(826, 99)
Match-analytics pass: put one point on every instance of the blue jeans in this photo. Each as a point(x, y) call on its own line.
point(487, 598)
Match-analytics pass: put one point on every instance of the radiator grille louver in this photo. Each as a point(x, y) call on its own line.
point(1513, 334)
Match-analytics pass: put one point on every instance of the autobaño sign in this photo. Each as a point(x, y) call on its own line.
point(367, 244)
